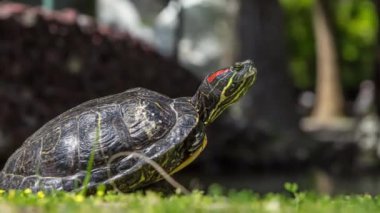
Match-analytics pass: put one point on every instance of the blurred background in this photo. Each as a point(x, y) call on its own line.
point(312, 117)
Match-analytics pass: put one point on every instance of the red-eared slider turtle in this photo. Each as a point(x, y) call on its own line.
point(169, 131)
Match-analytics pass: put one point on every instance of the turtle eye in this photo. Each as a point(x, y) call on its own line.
point(237, 66)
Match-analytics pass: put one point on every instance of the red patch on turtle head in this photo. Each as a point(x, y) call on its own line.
point(216, 74)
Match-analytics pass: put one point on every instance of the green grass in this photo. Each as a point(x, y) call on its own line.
point(233, 201)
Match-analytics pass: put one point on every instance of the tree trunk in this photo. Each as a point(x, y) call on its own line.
point(270, 105)
point(329, 98)
point(377, 62)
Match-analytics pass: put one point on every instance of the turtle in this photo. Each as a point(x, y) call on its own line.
point(86, 140)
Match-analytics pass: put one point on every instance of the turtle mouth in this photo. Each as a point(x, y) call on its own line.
point(251, 72)
point(247, 69)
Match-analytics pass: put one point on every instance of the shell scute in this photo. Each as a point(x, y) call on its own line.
point(50, 139)
point(15, 181)
point(29, 183)
point(59, 154)
point(49, 184)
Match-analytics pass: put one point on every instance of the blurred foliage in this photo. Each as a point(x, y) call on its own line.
point(197, 201)
point(355, 28)
point(299, 32)
point(83, 6)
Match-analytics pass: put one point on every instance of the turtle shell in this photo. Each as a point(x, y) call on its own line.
point(56, 157)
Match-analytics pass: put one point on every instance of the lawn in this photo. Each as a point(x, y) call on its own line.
point(216, 200)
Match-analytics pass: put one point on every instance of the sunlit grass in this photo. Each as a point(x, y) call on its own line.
point(216, 200)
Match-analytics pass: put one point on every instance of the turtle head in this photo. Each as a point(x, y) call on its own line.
point(222, 88)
